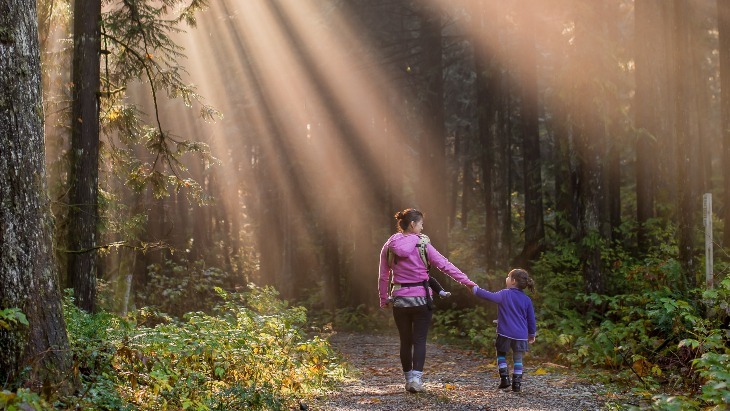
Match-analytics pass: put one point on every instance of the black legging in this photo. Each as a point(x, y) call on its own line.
point(412, 323)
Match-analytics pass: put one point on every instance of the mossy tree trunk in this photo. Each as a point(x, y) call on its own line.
point(28, 275)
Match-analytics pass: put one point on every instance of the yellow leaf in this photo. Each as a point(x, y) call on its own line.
point(642, 367)
point(540, 371)
point(450, 386)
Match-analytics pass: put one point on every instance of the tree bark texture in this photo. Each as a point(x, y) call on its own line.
point(84, 174)
point(28, 276)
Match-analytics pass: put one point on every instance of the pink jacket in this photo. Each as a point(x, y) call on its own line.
point(409, 268)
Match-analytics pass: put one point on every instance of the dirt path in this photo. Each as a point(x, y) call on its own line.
point(455, 379)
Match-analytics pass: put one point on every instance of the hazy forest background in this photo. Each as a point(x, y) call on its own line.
point(208, 162)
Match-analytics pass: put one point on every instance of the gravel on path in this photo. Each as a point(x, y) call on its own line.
point(455, 379)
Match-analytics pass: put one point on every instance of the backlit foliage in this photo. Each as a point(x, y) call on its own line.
point(252, 354)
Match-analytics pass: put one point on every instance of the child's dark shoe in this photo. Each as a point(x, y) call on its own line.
point(516, 382)
point(504, 381)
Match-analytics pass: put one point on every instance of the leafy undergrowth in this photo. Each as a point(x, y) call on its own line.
point(251, 354)
point(663, 351)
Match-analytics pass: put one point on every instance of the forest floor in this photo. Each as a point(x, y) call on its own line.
point(455, 379)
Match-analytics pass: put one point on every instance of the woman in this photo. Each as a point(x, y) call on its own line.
point(411, 296)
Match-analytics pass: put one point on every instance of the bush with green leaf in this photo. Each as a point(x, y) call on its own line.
point(12, 319)
point(475, 326)
point(250, 354)
point(176, 287)
point(706, 340)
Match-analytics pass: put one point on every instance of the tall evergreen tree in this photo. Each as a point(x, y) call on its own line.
point(432, 187)
point(495, 152)
point(687, 144)
point(84, 171)
point(651, 90)
point(723, 19)
point(28, 275)
point(590, 149)
point(531, 158)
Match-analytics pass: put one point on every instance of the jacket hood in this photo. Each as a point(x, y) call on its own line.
point(403, 244)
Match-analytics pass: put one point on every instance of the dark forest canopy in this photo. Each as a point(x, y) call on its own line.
point(533, 124)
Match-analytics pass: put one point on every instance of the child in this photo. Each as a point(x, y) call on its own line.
point(515, 325)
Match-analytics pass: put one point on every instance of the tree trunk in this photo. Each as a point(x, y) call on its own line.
point(531, 162)
point(28, 276)
point(614, 138)
point(564, 169)
point(458, 162)
point(84, 154)
point(723, 24)
point(590, 149)
point(687, 145)
point(432, 176)
point(650, 58)
point(467, 182)
point(494, 142)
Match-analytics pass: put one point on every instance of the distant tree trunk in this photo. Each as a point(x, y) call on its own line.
point(564, 169)
point(467, 183)
point(649, 57)
point(494, 142)
point(28, 275)
point(531, 161)
point(590, 149)
point(687, 144)
point(723, 19)
point(458, 168)
point(614, 138)
point(84, 154)
point(433, 178)
point(285, 272)
point(331, 270)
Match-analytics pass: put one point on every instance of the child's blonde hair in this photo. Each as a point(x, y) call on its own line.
point(522, 278)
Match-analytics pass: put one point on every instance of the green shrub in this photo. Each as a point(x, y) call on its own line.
point(250, 354)
point(178, 287)
point(22, 400)
point(474, 326)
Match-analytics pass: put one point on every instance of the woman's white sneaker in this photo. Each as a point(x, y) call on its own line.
point(416, 382)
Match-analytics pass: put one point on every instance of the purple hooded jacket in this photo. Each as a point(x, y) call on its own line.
point(409, 268)
point(515, 313)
